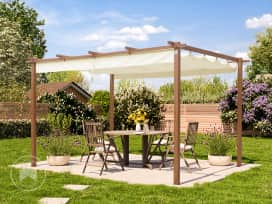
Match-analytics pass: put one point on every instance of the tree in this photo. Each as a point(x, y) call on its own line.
point(30, 26)
point(67, 76)
point(101, 98)
point(261, 55)
point(14, 52)
point(198, 90)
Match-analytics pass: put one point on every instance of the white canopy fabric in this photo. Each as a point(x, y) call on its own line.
point(139, 65)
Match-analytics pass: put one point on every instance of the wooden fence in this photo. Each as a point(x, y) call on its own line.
point(13, 111)
point(207, 115)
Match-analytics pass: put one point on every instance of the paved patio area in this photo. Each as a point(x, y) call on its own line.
point(135, 174)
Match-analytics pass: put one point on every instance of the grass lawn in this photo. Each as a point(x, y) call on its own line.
point(253, 186)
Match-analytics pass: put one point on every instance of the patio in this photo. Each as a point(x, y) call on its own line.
point(135, 174)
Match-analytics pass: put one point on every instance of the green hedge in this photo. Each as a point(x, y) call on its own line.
point(21, 128)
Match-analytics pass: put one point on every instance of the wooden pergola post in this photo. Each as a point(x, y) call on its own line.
point(239, 111)
point(33, 115)
point(176, 116)
point(111, 102)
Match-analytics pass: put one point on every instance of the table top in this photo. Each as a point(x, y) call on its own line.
point(133, 132)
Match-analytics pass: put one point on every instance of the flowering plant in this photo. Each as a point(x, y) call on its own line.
point(257, 106)
point(138, 116)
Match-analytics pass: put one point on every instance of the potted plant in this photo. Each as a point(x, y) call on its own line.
point(57, 148)
point(139, 117)
point(220, 147)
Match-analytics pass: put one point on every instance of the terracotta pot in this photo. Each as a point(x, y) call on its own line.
point(58, 160)
point(215, 160)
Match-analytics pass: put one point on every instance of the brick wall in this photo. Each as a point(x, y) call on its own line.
point(207, 115)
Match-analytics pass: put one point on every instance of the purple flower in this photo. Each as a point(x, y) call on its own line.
point(248, 116)
point(260, 102)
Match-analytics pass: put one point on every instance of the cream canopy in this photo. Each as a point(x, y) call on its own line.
point(158, 63)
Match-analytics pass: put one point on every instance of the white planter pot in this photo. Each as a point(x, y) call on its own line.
point(219, 160)
point(58, 160)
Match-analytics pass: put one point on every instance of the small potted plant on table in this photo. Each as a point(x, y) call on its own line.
point(220, 147)
point(57, 147)
point(139, 117)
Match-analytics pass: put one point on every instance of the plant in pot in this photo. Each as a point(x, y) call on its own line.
point(220, 147)
point(139, 117)
point(58, 148)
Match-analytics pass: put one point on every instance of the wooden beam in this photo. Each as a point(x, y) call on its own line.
point(33, 116)
point(94, 54)
point(177, 117)
point(130, 49)
point(210, 53)
point(111, 102)
point(61, 56)
point(170, 45)
point(239, 111)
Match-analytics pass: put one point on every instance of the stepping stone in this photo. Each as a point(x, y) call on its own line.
point(75, 187)
point(48, 200)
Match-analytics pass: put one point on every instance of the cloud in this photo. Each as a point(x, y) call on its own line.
point(112, 44)
point(264, 21)
point(115, 39)
point(243, 55)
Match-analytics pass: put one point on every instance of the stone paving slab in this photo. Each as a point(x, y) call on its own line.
point(76, 187)
point(135, 174)
point(48, 200)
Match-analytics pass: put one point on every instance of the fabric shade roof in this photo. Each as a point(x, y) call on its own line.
point(157, 63)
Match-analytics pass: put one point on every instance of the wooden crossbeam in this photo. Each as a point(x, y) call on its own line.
point(95, 54)
point(130, 49)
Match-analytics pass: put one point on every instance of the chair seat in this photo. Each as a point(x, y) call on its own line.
point(101, 149)
point(181, 146)
point(162, 142)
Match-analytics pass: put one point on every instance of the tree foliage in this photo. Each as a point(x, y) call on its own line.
point(101, 98)
point(128, 100)
point(261, 55)
point(67, 104)
point(198, 90)
point(30, 26)
point(14, 52)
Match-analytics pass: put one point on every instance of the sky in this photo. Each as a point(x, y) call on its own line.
point(74, 27)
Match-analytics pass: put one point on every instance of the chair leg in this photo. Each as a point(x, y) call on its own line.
point(183, 157)
point(87, 160)
point(102, 158)
point(81, 157)
point(194, 155)
point(104, 163)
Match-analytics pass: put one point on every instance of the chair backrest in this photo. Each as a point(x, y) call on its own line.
point(93, 132)
point(191, 135)
point(166, 125)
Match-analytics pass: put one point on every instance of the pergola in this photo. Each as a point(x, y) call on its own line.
point(173, 60)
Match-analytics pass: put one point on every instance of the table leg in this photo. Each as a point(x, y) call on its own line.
point(145, 149)
point(125, 142)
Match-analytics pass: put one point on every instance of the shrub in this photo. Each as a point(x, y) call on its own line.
point(67, 104)
point(130, 99)
point(257, 106)
point(21, 128)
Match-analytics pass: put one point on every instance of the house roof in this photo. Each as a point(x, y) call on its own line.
point(52, 88)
